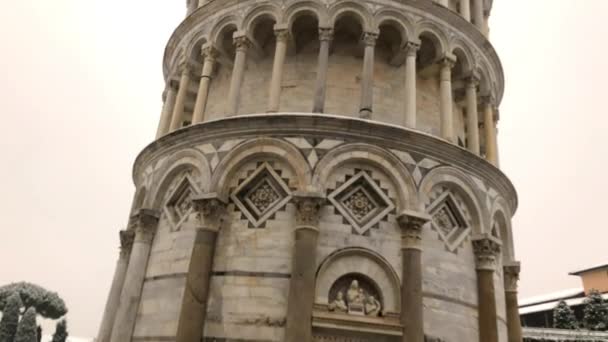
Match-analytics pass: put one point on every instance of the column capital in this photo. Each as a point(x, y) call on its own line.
point(473, 79)
point(126, 241)
point(448, 60)
point(209, 52)
point(144, 223)
point(411, 48)
point(242, 43)
point(326, 33)
point(411, 224)
point(369, 38)
point(210, 208)
point(308, 205)
point(511, 275)
point(282, 34)
point(486, 248)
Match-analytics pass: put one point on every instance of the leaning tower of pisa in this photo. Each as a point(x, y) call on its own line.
point(323, 170)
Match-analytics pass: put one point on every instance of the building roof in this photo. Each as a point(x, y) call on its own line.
point(589, 269)
point(553, 296)
point(548, 306)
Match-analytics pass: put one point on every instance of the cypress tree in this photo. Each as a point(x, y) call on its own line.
point(27, 329)
point(61, 331)
point(10, 318)
point(563, 317)
point(595, 312)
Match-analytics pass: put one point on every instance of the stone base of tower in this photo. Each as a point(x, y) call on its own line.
point(257, 180)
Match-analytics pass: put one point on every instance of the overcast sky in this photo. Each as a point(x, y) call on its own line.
point(80, 96)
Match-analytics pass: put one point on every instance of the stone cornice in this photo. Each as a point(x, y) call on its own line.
point(429, 8)
point(334, 127)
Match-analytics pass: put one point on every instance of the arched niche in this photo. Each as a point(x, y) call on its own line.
point(374, 274)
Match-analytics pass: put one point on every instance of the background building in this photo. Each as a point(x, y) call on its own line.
point(537, 312)
point(323, 171)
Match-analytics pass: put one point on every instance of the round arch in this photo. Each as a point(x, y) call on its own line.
point(375, 156)
point(295, 9)
point(396, 20)
point(255, 148)
point(357, 10)
point(499, 216)
point(260, 12)
point(461, 184)
point(177, 163)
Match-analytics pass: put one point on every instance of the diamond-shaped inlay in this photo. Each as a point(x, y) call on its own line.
point(179, 205)
point(261, 195)
point(449, 220)
point(361, 201)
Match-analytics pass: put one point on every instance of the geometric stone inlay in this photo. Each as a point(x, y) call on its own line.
point(261, 195)
point(179, 205)
point(361, 201)
point(449, 221)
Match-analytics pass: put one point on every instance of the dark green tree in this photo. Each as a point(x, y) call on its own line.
point(10, 318)
point(48, 304)
point(26, 332)
point(595, 312)
point(563, 317)
point(61, 331)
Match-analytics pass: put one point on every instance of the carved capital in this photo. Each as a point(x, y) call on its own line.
point(308, 206)
point(511, 276)
point(282, 35)
point(144, 222)
point(473, 80)
point(326, 34)
point(486, 249)
point(126, 242)
point(210, 53)
point(447, 61)
point(411, 224)
point(210, 209)
point(242, 43)
point(369, 38)
point(411, 48)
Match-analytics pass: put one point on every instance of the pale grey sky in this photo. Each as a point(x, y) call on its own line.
point(80, 96)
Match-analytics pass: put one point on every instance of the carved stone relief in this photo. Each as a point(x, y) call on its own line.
point(179, 205)
point(361, 201)
point(353, 294)
point(450, 220)
point(261, 195)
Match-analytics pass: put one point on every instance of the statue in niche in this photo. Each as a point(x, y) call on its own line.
point(338, 304)
point(354, 298)
point(372, 306)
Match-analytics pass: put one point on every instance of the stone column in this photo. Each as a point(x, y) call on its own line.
point(478, 14)
point(280, 51)
point(367, 75)
point(489, 125)
point(411, 290)
point(472, 115)
point(511, 277)
point(144, 222)
point(165, 116)
point(465, 9)
point(325, 37)
point(486, 249)
point(242, 44)
point(411, 50)
point(302, 283)
point(445, 104)
point(180, 103)
point(126, 243)
point(210, 55)
point(191, 322)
